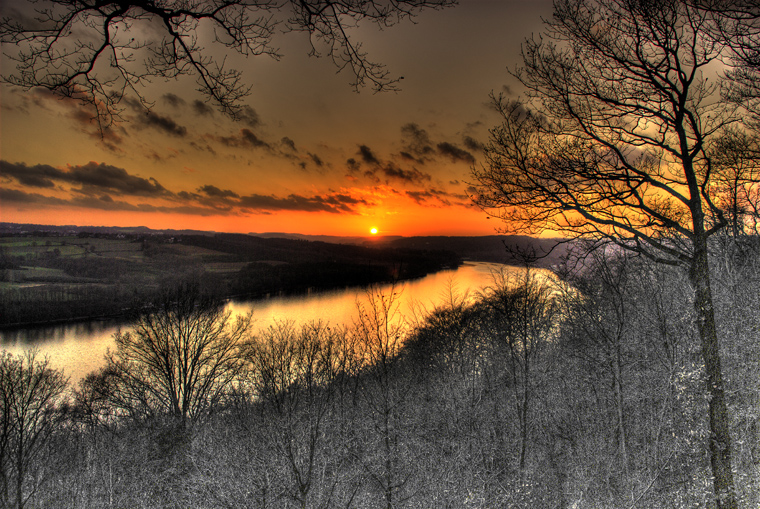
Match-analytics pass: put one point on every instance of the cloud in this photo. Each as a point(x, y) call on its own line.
point(165, 124)
point(93, 178)
point(100, 186)
point(147, 118)
point(395, 172)
point(381, 170)
point(367, 155)
point(455, 153)
point(290, 144)
point(248, 116)
point(105, 176)
point(410, 157)
point(473, 144)
point(105, 202)
point(245, 139)
point(39, 175)
point(251, 139)
point(333, 203)
point(202, 109)
point(316, 160)
point(15, 196)
point(438, 198)
point(353, 165)
point(215, 192)
point(173, 100)
point(417, 140)
point(81, 113)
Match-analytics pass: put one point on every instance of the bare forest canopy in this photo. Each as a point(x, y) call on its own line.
point(585, 391)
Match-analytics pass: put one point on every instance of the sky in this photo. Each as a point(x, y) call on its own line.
point(309, 155)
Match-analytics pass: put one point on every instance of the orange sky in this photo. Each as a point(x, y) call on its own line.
point(311, 156)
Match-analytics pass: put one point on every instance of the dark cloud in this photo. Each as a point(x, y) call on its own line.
point(316, 160)
point(101, 186)
point(40, 175)
point(104, 202)
point(203, 147)
point(353, 165)
point(248, 116)
point(165, 124)
point(420, 197)
point(409, 157)
point(83, 115)
point(251, 139)
point(417, 140)
point(8, 196)
point(290, 144)
point(473, 144)
point(438, 198)
point(367, 155)
point(395, 172)
point(455, 153)
point(215, 192)
point(173, 100)
point(148, 118)
point(93, 178)
point(202, 109)
point(334, 203)
point(246, 138)
point(104, 176)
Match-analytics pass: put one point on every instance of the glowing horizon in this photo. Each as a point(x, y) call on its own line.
point(307, 156)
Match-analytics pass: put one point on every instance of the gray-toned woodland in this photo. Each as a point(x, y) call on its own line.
point(585, 390)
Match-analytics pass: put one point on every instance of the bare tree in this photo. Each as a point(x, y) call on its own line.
point(97, 51)
point(379, 332)
point(295, 375)
point(30, 392)
point(737, 26)
point(525, 312)
point(612, 146)
point(599, 323)
point(737, 177)
point(178, 360)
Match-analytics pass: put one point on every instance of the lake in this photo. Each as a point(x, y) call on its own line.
point(79, 348)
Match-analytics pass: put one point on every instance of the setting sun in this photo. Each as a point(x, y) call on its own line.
point(373, 230)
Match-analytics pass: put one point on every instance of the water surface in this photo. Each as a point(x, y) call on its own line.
point(79, 348)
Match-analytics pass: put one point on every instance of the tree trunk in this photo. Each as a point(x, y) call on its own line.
point(619, 400)
point(720, 437)
point(523, 410)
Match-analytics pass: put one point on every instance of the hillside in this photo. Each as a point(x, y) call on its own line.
point(48, 276)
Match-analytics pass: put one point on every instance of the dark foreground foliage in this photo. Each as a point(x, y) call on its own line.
point(585, 391)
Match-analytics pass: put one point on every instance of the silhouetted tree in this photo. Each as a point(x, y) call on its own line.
point(524, 314)
point(179, 359)
point(612, 145)
point(98, 51)
point(294, 374)
point(30, 392)
point(379, 332)
point(736, 156)
point(737, 27)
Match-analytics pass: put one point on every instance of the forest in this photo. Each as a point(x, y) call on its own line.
point(580, 388)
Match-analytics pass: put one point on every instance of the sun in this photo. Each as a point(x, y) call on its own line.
point(373, 230)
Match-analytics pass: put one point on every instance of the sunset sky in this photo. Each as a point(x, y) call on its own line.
point(310, 156)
